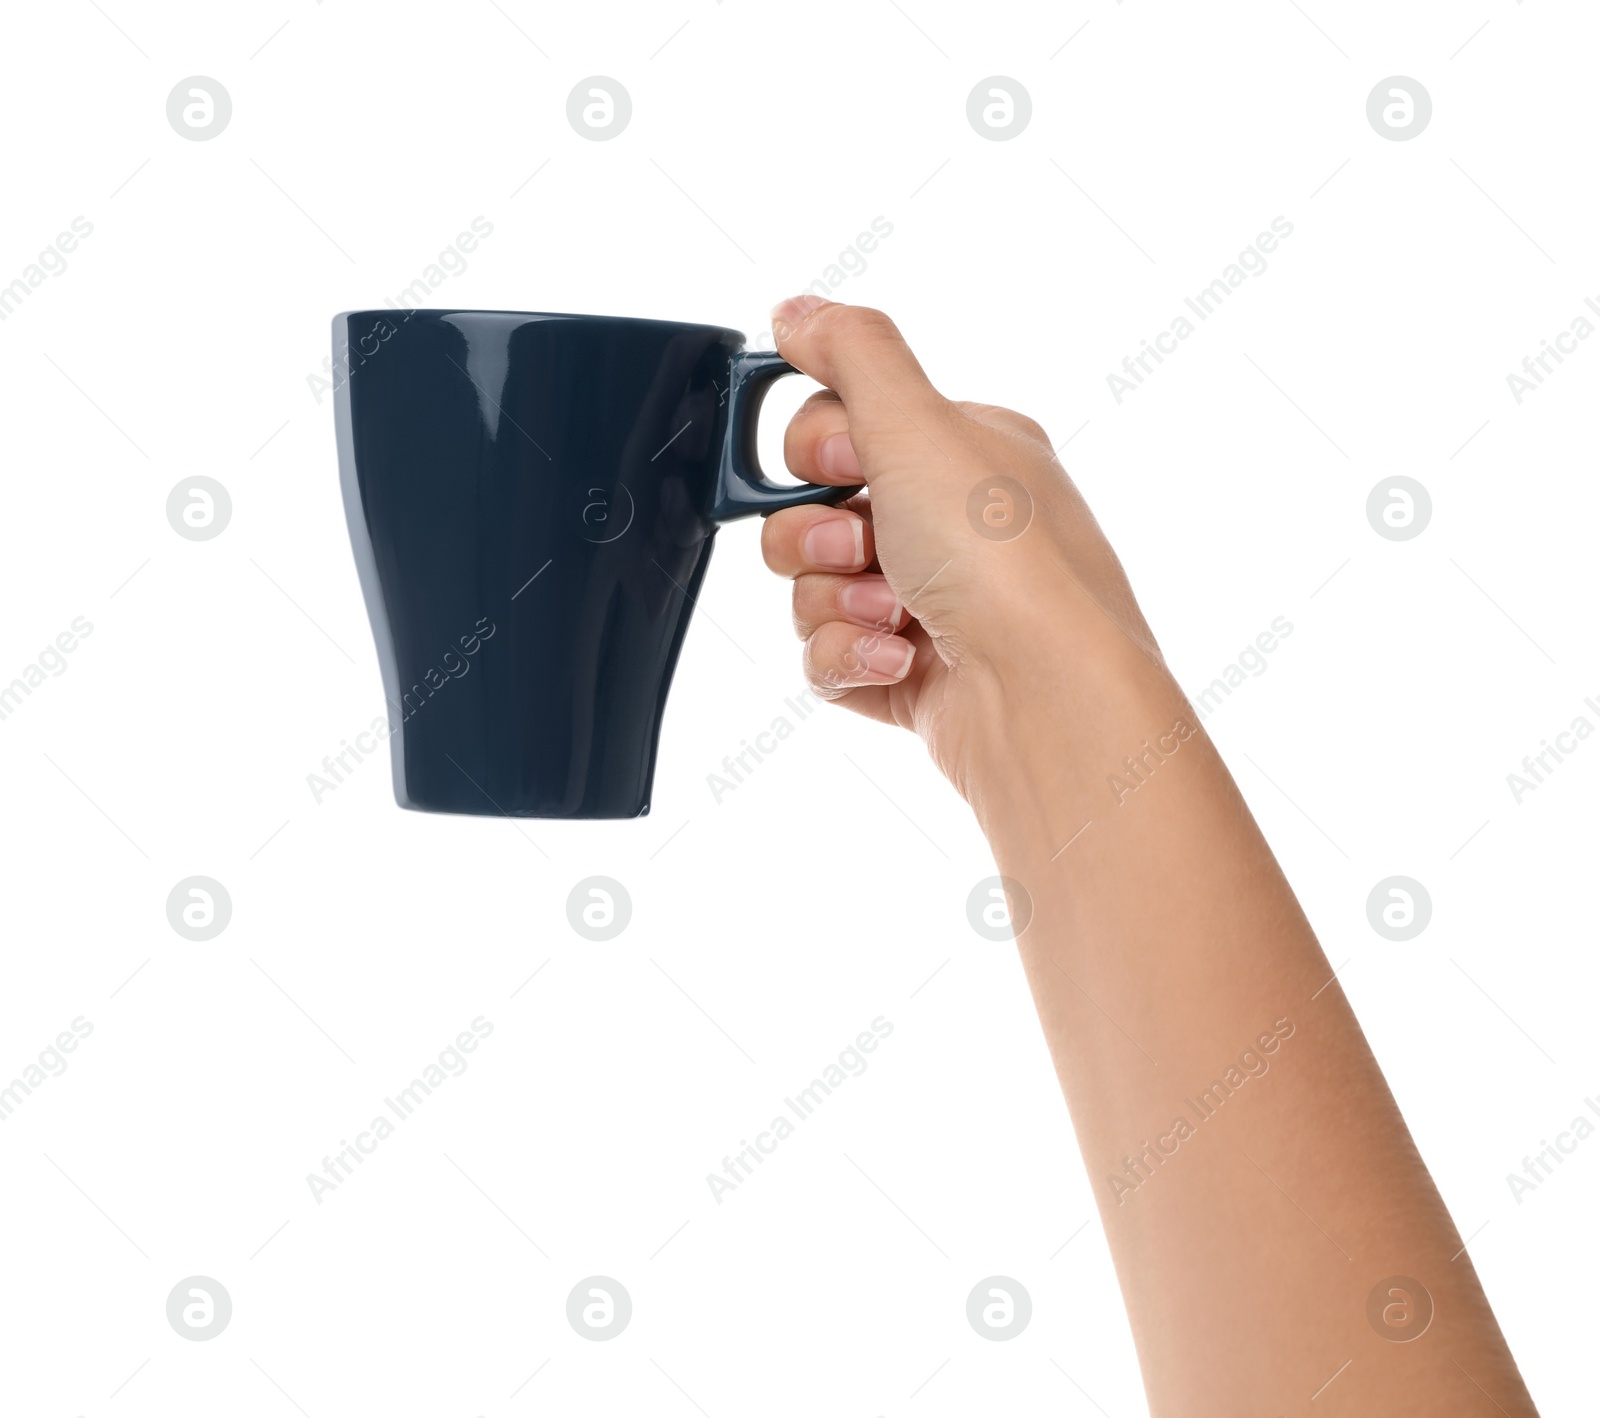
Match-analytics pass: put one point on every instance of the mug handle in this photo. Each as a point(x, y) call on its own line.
point(742, 488)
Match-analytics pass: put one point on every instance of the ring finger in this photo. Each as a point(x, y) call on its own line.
point(866, 600)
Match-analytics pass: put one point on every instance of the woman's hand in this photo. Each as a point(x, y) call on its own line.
point(933, 598)
point(969, 595)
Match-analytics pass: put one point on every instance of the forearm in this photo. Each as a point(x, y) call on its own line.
point(1255, 1178)
point(1231, 1116)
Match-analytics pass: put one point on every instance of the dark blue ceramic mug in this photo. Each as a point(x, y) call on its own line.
point(532, 501)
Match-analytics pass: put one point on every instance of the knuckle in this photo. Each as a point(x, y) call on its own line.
point(800, 610)
point(854, 323)
point(822, 676)
point(770, 540)
point(1031, 427)
point(821, 401)
point(1008, 420)
point(814, 602)
point(780, 538)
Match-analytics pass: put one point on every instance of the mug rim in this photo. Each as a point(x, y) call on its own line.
point(407, 313)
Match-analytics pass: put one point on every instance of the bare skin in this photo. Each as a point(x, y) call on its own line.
point(1255, 1178)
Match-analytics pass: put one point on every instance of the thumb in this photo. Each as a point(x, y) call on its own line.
point(896, 416)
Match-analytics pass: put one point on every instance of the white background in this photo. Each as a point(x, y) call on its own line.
point(830, 888)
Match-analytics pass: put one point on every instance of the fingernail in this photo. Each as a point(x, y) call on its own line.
point(886, 655)
point(871, 601)
point(838, 544)
point(836, 456)
point(786, 314)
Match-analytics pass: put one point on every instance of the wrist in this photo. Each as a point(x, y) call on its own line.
point(1071, 725)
